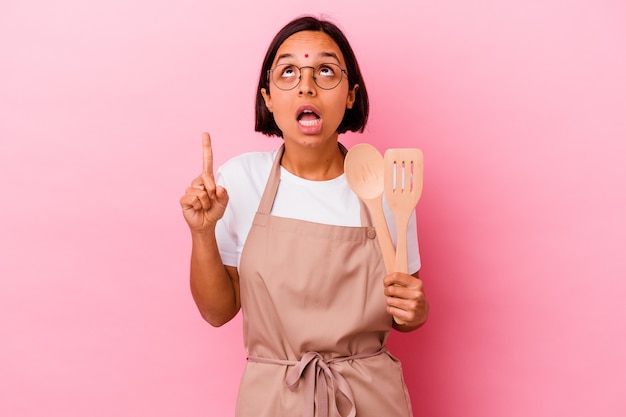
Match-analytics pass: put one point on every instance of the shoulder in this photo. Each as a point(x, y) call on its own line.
point(245, 175)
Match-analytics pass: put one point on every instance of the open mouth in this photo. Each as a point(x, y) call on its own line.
point(308, 118)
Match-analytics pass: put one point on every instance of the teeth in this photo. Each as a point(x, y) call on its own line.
point(309, 122)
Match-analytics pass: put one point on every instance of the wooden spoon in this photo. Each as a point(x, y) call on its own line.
point(404, 170)
point(365, 170)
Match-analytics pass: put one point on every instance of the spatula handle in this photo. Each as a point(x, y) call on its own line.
point(402, 253)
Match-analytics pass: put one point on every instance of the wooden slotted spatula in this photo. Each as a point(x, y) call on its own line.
point(404, 170)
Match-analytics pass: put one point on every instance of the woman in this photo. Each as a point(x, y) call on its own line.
point(291, 245)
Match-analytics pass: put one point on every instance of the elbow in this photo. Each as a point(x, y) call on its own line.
point(214, 321)
point(217, 320)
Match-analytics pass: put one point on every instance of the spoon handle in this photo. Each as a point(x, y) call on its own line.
point(375, 207)
point(390, 256)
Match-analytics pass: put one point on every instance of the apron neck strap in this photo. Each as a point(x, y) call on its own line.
point(269, 194)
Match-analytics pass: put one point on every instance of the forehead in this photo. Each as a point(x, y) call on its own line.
point(313, 43)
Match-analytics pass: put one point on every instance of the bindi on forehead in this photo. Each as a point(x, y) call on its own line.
point(306, 55)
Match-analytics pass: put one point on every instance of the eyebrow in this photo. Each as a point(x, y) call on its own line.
point(320, 55)
point(329, 55)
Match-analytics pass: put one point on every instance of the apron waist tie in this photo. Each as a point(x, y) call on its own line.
point(317, 374)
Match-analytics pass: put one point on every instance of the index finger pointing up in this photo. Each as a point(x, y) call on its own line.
point(207, 154)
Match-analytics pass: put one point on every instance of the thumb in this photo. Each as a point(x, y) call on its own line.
point(221, 195)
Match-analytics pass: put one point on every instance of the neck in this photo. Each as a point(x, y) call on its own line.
point(313, 163)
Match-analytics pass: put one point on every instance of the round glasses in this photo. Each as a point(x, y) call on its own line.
point(288, 76)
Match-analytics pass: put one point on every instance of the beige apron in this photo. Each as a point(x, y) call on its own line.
point(314, 320)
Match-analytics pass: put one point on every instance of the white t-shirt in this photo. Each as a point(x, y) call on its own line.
point(329, 202)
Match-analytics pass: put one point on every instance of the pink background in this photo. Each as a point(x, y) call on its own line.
point(519, 107)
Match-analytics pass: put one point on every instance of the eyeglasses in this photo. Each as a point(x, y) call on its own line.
point(288, 76)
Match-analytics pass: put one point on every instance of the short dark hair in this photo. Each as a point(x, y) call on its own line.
point(355, 118)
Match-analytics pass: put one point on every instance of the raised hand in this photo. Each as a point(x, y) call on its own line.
point(204, 203)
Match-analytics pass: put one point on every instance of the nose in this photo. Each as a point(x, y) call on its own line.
point(307, 82)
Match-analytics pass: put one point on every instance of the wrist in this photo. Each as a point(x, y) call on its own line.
point(204, 235)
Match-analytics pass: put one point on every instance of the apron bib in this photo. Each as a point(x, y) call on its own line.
point(314, 320)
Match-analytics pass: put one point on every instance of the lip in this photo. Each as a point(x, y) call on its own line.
point(312, 129)
point(309, 107)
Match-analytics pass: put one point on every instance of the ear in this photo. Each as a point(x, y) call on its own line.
point(267, 99)
point(352, 97)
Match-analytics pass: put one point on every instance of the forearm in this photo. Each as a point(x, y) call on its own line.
point(214, 290)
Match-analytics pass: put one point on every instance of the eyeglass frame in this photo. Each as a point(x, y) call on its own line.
point(343, 71)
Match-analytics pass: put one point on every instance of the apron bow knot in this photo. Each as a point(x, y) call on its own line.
point(317, 375)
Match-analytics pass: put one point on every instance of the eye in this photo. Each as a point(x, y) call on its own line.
point(326, 70)
point(288, 71)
